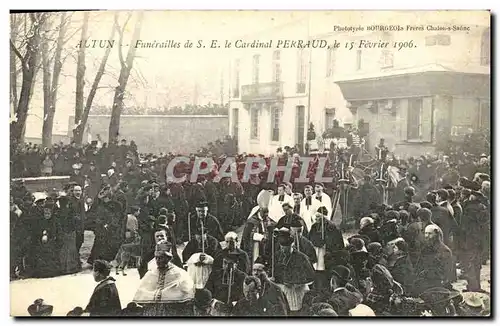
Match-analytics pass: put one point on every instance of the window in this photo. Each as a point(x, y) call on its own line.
point(358, 59)
point(387, 56)
point(301, 72)
point(276, 66)
point(387, 60)
point(419, 119)
point(485, 47)
point(329, 117)
point(255, 75)
point(275, 124)
point(254, 120)
point(235, 122)
point(484, 115)
point(236, 81)
point(330, 62)
point(439, 39)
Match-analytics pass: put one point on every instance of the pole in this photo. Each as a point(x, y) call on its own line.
point(310, 75)
point(189, 225)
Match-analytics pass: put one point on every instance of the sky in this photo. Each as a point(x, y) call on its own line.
point(169, 77)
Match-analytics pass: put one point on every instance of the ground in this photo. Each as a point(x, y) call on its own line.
point(69, 291)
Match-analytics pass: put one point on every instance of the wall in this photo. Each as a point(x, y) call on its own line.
point(55, 139)
point(180, 134)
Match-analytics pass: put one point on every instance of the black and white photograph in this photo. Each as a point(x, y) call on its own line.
point(250, 163)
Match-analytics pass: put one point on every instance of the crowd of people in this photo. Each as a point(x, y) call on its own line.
point(291, 259)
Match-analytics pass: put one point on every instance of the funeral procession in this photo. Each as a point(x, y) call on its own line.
point(335, 181)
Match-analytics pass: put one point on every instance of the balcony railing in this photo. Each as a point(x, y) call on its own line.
point(262, 92)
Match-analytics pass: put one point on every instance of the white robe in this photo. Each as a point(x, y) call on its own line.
point(308, 213)
point(171, 286)
point(199, 274)
point(275, 207)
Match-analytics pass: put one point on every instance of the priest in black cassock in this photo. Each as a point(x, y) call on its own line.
point(292, 271)
point(232, 248)
point(210, 222)
point(257, 235)
point(287, 219)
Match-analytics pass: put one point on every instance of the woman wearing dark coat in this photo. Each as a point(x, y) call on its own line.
point(399, 264)
point(46, 243)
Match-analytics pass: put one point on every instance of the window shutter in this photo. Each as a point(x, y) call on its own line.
point(426, 119)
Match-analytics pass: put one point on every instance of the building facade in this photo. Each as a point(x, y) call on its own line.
point(415, 98)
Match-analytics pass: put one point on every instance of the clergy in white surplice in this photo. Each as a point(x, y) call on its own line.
point(275, 205)
point(308, 207)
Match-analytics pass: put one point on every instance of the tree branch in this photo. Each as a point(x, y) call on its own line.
point(18, 54)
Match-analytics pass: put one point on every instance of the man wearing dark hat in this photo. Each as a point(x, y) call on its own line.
point(226, 283)
point(343, 290)
point(105, 300)
point(474, 226)
point(326, 239)
point(441, 216)
point(211, 224)
point(166, 290)
point(293, 271)
point(205, 305)
point(106, 221)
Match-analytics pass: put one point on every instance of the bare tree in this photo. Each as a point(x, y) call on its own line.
point(126, 68)
point(82, 120)
point(80, 70)
point(51, 77)
point(29, 67)
point(14, 31)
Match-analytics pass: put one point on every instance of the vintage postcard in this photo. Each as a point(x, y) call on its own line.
point(250, 163)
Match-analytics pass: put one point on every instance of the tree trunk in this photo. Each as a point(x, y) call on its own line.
point(52, 85)
point(13, 65)
point(126, 68)
point(29, 64)
point(46, 130)
point(78, 131)
point(80, 70)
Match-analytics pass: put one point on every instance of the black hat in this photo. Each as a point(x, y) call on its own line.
point(320, 184)
point(201, 204)
point(472, 185)
point(202, 298)
point(40, 308)
point(148, 187)
point(342, 273)
point(410, 191)
point(259, 261)
point(322, 210)
point(424, 213)
point(77, 311)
